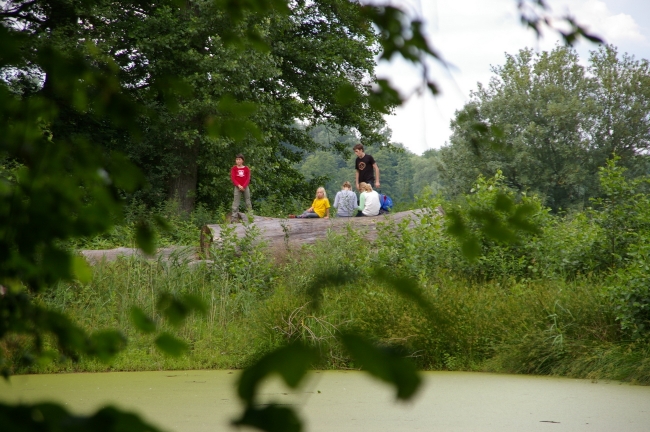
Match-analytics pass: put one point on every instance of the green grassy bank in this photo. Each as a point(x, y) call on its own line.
point(254, 302)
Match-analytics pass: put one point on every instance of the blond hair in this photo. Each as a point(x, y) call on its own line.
point(323, 190)
point(347, 185)
point(365, 187)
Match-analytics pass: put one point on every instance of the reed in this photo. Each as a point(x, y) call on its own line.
point(255, 303)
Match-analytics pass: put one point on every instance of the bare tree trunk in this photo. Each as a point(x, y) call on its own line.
point(182, 187)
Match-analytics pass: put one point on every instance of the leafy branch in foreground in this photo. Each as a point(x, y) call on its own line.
point(58, 94)
point(535, 14)
point(51, 417)
point(294, 360)
point(491, 213)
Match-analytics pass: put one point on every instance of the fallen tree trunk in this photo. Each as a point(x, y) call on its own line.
point(181, 253)
point(284, 233)
point(278, 233)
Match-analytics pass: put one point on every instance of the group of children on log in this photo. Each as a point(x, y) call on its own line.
point(366, 173)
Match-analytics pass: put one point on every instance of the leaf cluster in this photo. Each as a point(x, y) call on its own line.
point(293, 360)
point(490, 214)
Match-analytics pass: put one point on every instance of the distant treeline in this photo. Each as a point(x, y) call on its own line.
point(545, 120)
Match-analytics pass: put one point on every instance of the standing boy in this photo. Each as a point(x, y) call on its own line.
point(366, 168)
point(241, 177)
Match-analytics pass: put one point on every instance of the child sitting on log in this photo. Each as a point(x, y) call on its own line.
point(320, 207)
point(345, 201)
point(368, 201)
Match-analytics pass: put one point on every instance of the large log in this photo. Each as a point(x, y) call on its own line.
point(278, 233)
point(181, 253)
point(283, 233)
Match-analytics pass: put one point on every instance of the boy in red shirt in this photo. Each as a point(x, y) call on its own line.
point(241, 177)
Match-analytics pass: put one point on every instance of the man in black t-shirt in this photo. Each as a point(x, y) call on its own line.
point(366, 168)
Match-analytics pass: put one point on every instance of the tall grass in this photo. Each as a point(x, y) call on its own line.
point(547, 304)
point(255, 302)
point(179, 228)
point(218, 339)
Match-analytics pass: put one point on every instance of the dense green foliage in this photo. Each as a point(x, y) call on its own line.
point(73, 88)
point(80, 79)
point(555, 122)
point(404, 175)
point(209, 86)
point(540, 304)
point(625, 222)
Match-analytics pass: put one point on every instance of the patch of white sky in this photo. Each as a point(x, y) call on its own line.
point(473, 35)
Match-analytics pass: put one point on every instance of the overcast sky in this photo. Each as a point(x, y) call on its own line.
point(471, 35)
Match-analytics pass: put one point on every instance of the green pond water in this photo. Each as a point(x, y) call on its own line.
point(197, 401)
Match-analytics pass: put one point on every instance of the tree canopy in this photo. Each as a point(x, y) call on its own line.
point(555, 122)
point(210, 86)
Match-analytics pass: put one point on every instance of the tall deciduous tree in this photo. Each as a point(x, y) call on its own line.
point(621, 121)
point(556, 122)
point(214, 84)
point(315, 65)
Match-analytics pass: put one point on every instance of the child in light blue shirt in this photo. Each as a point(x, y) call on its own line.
point(345, 201)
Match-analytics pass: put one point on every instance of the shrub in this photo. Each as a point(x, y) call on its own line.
point(243, 262)
point(171, 226)
point(567, 248)
point(493, 224)
point(623, 213)
point(629, 291)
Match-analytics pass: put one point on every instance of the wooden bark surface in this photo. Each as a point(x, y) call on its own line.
point(182, 253)
point(279, 233)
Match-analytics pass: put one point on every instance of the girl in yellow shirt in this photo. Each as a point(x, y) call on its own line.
point(320, 207)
